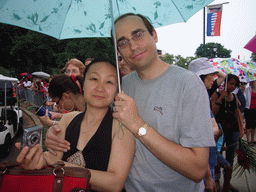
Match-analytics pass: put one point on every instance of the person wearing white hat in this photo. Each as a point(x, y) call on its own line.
point(205, 70)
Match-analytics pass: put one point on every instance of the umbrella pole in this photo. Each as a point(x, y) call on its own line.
point(120, 129)
point(226, 84)
point(115, 45)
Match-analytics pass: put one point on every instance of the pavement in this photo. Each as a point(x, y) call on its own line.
point(245, 183)
point(29, 120)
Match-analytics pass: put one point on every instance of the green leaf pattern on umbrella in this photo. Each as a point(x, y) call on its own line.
point(91, 18)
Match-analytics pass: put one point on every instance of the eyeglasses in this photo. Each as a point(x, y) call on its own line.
point(119, 58)
point(123, 43)
point(72, 72)
point(57, 103)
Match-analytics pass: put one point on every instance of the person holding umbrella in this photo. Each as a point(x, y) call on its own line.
point(225, 108)
point(205, 70)
point(158, 107)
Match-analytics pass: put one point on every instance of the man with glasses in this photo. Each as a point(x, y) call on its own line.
point(167, 110)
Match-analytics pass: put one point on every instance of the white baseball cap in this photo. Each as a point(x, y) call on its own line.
point(202, 66)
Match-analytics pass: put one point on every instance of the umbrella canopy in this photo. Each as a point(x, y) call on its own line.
point(251, 45)
point(65, 19)
point(26, 75)
point(4, 78)
point(41, 74)
point(23, 74)
point(244, 70)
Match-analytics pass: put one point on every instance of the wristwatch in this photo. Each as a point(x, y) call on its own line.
point(143, 130)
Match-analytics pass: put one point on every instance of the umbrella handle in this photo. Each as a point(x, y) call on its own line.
point(115, 46)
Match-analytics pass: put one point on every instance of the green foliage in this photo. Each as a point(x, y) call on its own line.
point(246, 158)
point(168, 58)
point(5, 72)
point(210, 53)
point(177, 60)
point(253, 57)
point(28, 51)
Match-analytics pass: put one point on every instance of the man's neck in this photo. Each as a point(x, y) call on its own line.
point(153, 70)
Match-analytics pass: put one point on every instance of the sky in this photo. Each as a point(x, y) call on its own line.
point(238, 26)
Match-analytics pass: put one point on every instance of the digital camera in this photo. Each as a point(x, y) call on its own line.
point(31, 136)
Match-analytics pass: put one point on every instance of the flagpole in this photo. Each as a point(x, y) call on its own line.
point(204, 33)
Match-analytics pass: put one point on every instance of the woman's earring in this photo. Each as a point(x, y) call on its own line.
point(68, 105)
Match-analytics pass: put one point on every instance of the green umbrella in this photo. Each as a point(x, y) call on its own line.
point(65, 19)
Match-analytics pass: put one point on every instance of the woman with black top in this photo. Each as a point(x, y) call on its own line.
point(225, 108)
point(96, 141)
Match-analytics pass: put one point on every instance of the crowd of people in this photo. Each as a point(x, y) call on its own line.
point(165, 131)
point(39, 85)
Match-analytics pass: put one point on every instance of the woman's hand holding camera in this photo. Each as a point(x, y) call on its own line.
point(31, 158)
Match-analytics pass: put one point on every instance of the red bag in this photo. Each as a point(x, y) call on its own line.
point(55, 178)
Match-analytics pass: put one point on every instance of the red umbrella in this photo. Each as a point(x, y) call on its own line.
point(251, 45)
point(26, 75)
point(23, 74)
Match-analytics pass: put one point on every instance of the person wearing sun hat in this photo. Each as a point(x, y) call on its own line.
point(203, 68)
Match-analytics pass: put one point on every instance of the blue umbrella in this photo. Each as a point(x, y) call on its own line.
point(65, 19)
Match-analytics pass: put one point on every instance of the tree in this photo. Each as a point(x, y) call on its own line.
point(33, 52)
point(210, 53)
point(5, 72)
point(28, 51)
point(183, 62)
point(253, 57)
point(177, 60)
point(168, 58)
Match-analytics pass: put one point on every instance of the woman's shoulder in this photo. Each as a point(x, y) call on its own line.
point(69, 116)
point(72, 114)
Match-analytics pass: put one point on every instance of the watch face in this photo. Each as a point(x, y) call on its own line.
point(142, 131)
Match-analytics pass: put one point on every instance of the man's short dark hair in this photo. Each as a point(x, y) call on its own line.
point(146, 22)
